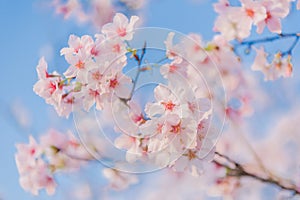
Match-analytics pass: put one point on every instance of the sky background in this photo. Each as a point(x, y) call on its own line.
point(30, 30)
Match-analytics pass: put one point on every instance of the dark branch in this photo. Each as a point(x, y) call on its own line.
point(239, 171)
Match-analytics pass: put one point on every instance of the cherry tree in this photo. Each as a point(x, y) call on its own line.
point(149, 99)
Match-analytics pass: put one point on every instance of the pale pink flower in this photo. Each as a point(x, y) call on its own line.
point(91, 97)
point(117, 83)
point(121, 27)
point(119, 180)
point(131, 145)
point(194, 51)
point(127, 118)
point(61, 151)
point(79, 66)
point(76, 44)
point(189, 162)
point(27, 154)
point(298, 5)
point(280, 67)
point(102, 12)
point(252, 11)
point(47, 84)
point(221, 6)
point(173, 51)
point(34, 172)
point(231, 27)
point(167, 102)
point(174, 70)
point(67, 9)
point(112, 51)
point(275, 11)
point(182, 133)
point(38, 178)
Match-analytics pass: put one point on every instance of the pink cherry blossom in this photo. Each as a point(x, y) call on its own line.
point(77, 44)
point(280, 67)
point(172, 51)
point(34, 173)
point(174, 70)
point(221, 6)
point(275, 11)
point(67, 9)
point(253, 11)
point(119, 180)
point(232, 27)
point(167, 102)
point(38, 178)
point(121, 27)
point(132, 146)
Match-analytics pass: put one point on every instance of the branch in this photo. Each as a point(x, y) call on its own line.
point(249, 43)
point(139, 60)
point(239, 171)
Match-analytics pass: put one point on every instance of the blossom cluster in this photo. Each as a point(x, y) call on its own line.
point(95, 71)
point(97, 12)
point(178, 123)
point(176, 130)
point(280, 67)
point(37, 162)
point(263, 13)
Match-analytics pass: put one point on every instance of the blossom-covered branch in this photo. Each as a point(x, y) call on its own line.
point(237, 170)
point(249, 43)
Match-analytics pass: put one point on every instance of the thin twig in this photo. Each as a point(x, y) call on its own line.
point(139, 59)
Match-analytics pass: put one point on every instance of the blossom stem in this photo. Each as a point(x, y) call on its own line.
point(249, 43)
point(139, 59)
point(237, 170)
point(290, 50)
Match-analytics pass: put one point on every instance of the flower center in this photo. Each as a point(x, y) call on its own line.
point(80, 65)
point(169, 105)
point(121, 32)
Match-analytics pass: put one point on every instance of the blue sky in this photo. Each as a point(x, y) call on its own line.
point(27, 30)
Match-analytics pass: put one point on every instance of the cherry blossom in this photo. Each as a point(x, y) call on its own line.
point(34, 174)
point(275, 12)
point(119, 180)
point(179, 128)
point(280, 67)
point(120, 27)
point(37, 162)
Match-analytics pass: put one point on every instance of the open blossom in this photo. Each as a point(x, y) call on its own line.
point(167, 102)
point(47, 83)
point(275, 10)
point(173, 51)
point(119, 180)
point(174, 70)
point(252, 11)
point(260, 13)
point(221, 6)
point(76, 44)
point(279, 67)
point(37, 162)
point(68, 9)
point(232, 27)
point(34, 173)
point(120, 27)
